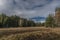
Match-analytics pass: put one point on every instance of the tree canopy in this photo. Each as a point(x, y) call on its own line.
point(13, 21)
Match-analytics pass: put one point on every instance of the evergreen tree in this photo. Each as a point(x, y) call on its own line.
point(49, 21)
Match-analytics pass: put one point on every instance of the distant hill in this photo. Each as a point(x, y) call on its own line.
point(38, 19)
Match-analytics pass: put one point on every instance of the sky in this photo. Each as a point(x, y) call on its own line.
point(28, 8)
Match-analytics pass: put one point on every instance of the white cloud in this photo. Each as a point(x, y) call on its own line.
point(1, 2)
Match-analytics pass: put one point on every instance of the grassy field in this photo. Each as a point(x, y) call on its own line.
point(30, 33)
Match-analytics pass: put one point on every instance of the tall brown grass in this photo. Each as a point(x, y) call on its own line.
point(42, 34)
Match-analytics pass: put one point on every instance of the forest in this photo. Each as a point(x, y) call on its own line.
point(14, 21)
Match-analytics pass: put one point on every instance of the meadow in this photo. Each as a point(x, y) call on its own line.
point(30, 33)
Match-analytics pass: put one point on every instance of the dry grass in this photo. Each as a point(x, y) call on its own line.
point(30, 33)
point(8, 31)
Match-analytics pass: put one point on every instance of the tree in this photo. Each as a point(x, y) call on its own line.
point(49, 21)
point(3, 19)
point(25, 23)
point(30, 23)
point(6, 21)
point(14, 21)
point(57, 16)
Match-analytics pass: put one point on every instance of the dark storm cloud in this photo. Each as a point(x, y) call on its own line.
point(28, 8)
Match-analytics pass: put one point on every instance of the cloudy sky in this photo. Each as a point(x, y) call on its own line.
point(28, 8)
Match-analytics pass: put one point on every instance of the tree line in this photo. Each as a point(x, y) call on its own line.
point(53, 20)
point(14, 21)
